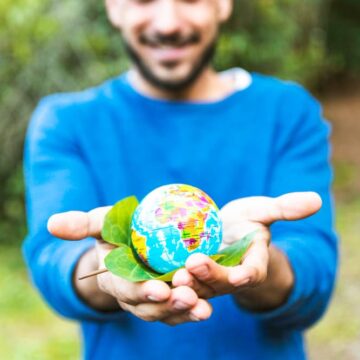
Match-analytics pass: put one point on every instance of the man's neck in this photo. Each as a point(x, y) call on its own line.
point(208, 87)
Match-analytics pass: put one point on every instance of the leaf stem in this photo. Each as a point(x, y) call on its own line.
point(96, 272)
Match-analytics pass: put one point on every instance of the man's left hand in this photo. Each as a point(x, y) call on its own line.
point(264, 267)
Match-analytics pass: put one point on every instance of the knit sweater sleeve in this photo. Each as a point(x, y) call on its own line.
point(57, 180)
point(301, 163)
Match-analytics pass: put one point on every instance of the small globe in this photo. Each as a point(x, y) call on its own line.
point(171, 223)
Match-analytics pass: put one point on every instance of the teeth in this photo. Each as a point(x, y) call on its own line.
point(169, 46)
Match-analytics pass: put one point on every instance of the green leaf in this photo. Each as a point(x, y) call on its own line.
point(216, 257)
point(168, 276)
point(116, 228)
point(233, 254)
point(123, 262)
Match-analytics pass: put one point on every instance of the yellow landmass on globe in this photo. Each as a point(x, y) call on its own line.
point(139, 243)
point(193, 230)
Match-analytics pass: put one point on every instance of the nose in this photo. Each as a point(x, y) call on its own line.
point(167, 18)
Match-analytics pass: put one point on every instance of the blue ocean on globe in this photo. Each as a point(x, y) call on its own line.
point(173, 222)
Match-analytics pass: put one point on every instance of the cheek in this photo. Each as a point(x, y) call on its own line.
point(209, 34)
point(134, 22)
point(206, 25)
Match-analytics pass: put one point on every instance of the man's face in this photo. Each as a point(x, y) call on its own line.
point(170, 41)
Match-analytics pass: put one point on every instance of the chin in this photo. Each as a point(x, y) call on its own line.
point(172, 73)
point(175, 76)
point(172, 76)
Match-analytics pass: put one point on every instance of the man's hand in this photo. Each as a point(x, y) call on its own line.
point(150, 300)
point(264, 279)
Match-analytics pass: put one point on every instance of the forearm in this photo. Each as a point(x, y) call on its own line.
point(274, 291)
point(88, 289)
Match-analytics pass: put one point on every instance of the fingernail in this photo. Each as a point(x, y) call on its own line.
point(194, 318)
point(179, 305)
point(201, 271)
point(153, 298)
point(241, 282)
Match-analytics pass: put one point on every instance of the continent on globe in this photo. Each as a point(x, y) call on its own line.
point(171, 223)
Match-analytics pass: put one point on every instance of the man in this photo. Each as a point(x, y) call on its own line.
point(173, 119)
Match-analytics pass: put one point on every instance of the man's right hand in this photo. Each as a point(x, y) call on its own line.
point(149, 300)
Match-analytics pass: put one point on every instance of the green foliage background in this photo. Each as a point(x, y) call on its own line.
point(48, 46)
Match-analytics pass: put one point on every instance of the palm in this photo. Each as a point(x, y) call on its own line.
point(241, 217)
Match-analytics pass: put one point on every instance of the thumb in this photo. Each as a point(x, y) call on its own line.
point(77, 225)
point(296, 205)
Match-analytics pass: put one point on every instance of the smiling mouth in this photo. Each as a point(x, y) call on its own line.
point(169, 55)
point(168, 47)
point(169, 50)
point(172, 41)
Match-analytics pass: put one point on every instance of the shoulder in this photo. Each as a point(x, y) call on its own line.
point(61, 110)
point(281, 90)
point(287, 112)
point(289, 102)
point(80, 101)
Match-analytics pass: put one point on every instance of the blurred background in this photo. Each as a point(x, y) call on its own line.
point(48, 46)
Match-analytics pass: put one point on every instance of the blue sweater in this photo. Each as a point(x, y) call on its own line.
point(92, 148)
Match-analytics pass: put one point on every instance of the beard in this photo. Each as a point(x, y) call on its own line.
point(172, 85)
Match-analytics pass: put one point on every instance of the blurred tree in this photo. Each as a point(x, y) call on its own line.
point(45, 47)
point(282, 37)
point(343, 37)
point(48, 46)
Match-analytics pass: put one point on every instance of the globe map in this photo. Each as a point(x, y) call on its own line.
point(171, 223)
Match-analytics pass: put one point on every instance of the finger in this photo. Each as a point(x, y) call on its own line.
point(134, 293)
point(207, 271)
point(253, 269)
point(200, 312)
point(77, 225)
point(183, 278)
point(181, 300)
point(266, 210)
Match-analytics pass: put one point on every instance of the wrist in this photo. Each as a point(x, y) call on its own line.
point(275, 290)
point(88, 289)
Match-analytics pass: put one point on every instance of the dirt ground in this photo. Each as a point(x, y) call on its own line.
point(342, 108)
